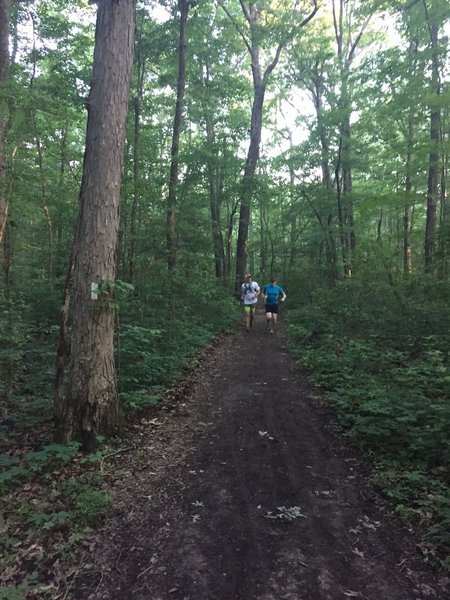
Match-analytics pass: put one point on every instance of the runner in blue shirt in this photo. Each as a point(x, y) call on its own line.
point(271, 294)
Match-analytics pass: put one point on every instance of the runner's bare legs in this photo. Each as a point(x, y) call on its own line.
point(271, 320)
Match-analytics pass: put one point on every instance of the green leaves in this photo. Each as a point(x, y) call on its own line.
point(35, 463)
point(48, 521)
point(385, 364)
point(89, 506)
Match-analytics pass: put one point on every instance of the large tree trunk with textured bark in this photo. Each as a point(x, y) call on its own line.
point(4, 67)
point(90, 406)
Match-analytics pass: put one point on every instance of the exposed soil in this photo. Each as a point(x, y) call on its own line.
point(241, 488)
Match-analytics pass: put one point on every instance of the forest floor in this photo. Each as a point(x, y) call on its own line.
point(240, 487)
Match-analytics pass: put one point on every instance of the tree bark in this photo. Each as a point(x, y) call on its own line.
point(248, 179)
point(183, 6)
point(135, 201)
point(45, 210)
point(214, 200)
point(91, 405)
point(325, 166)
point(4, 68)
point(137, 102)
point(215, 181)
point(231, 215)
point(407, 264)
point(347, 44)
point(433, 167)
point(444, 219)
point(341, 220)
point(293, 214)
point(407, 213)
point(5, 231)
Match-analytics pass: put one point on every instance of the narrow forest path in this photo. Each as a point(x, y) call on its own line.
point(244, 491)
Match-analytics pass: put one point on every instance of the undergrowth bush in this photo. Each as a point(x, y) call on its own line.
point(89, 506)
point(382, 353)
point(16, 471)
point(161, 331)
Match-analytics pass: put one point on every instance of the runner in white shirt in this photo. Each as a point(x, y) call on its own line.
point(250, 291)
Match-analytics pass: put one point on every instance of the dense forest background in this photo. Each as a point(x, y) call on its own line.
point(305, 140)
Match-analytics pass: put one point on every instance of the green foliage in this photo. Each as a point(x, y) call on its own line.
point(90, 506)
point(48, 521)
point(51, 456)
point(380, 350)
point(14, 593)
point(382, 354)
point(54, 517)
point(14, 476)
point(160, 333)
point(13, 337)
point(140, 399)
point(76, 503)
point(152, 349)
point(34, 463)
point(22, 591)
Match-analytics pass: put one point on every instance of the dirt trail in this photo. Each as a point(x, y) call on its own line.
point(245, 492)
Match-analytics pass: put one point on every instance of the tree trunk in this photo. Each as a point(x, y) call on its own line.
point(433, 168)
point(140, 63)
point(347, 184)
point(135, 201)
point(444, 224)
point(341, 219)
point(407, 253)
point(45, 210)
point(63, 160)
point(347, 42)
point(214, 201)
point(91, 405)
point(63, 350)
point(407, 213)
point(262, 239)
point(183, 6)
point(293, 214)
point(326, 174)
point(408, 210)
point(4, 68)
point(229, 239)
point(219, 254)
point(5, 239)
point(248, 182)
point(252, 12)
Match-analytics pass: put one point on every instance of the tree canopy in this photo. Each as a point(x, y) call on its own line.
point(307, 140)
